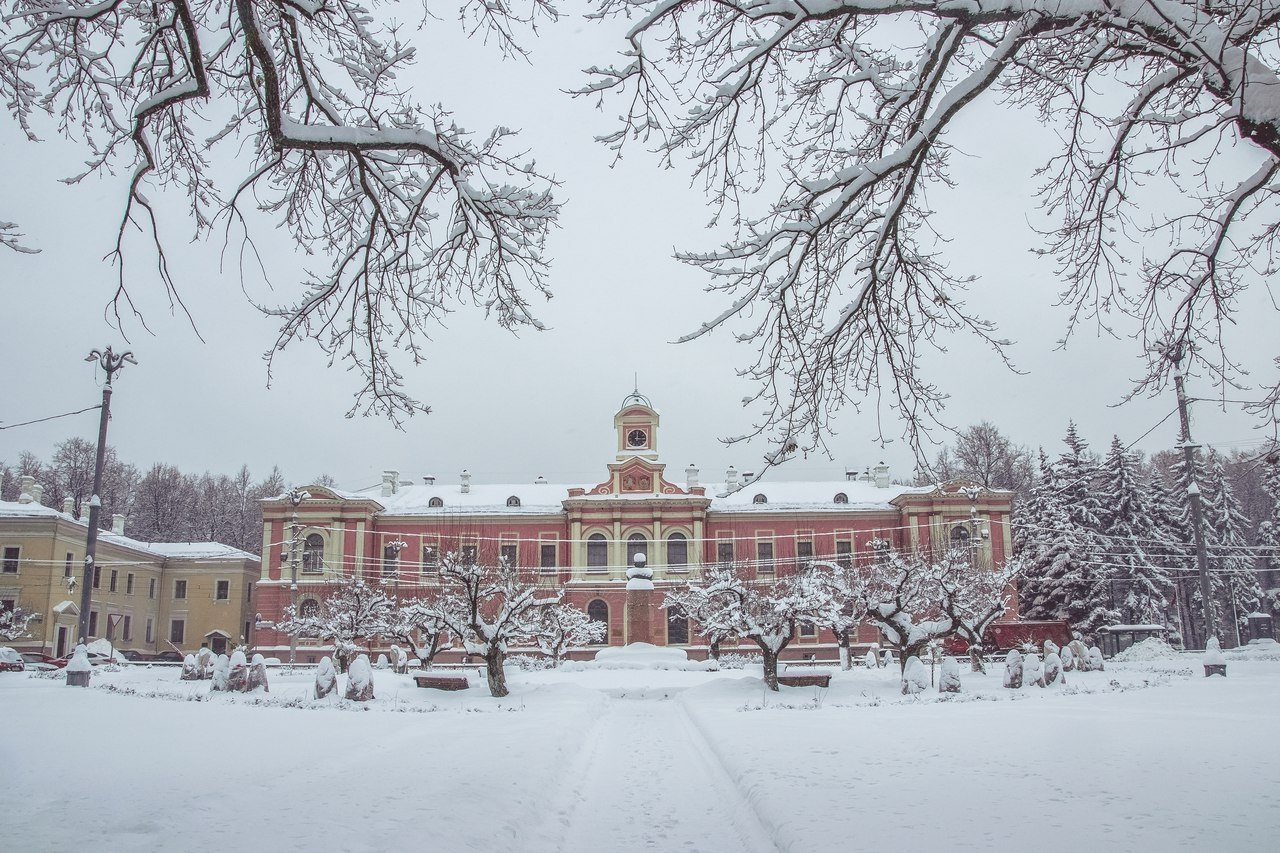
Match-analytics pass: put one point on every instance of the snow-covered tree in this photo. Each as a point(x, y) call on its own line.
point(15, 624)
point(819, 131)
point(565, 626)
point(350, 611)
point(490, 607)
point(1269, 535)
point(1129, 530)
point(903, 597)
point(408, 213)
point(730, 601)
point(974, 597)
point(1231, 562)
point(416, 622)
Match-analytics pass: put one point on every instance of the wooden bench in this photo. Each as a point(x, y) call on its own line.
point(443, 682)
point(806, 679)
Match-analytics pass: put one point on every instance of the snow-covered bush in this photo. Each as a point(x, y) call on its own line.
point(1013, 669)
point(1053, 672)
point(1094, 660)
point(360, 680)
point(191, 669)
point(382, 663)
point(914, 677)
point(1080, 653)
point(1213, 653)
point(870, 661)
point(239, 672)
point(886, 658)
point(221, 674)
point(1050, 648)
point(326, 678)
point(204, 661)
point(1068, 659)
point(949, 678)
point(257, 676)
point(1032, 671)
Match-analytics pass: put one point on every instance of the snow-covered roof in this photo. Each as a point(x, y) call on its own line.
point(184, 550)
point(809, 496)
point(483, 498)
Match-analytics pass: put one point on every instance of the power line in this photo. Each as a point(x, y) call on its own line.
point(52, 417)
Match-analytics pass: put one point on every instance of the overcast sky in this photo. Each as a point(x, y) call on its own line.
point(510, 409)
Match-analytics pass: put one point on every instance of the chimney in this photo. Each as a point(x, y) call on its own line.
point(429, 480)
point(27, 484)
point(691, 476)
point(731, 478)
point(541, 481)
point(389, 479)
point(37, 493)
point(117, 524)
point(84, 512)
point(466, 481)
point(69, 506)
point(882, 476)
point(851, 474)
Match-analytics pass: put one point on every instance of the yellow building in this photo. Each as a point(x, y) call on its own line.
point(147, 597)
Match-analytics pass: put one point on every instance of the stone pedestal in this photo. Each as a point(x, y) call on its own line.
point(640, 616)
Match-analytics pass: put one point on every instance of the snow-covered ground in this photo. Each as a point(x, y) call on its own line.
point(1144, 756)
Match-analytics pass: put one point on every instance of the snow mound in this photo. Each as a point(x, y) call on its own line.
point(1152, 648)
point(1255, 650)
point(641, 656)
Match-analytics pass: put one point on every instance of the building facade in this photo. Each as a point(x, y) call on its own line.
point(147, 597)
point(582, 538)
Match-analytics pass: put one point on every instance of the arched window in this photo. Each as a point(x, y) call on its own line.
point(677, 627)
point(513, 501)
point(435, 502)
point(637, 544)
point(959, 536)
point(308, 607)
point(759, 499)
point(313, 553)
point(597, 552)
point(841, 498)
point(677, 550)
point(598, 611)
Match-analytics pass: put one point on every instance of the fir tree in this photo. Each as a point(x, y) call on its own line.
point(1235, 584)
point(1269, 535)
point(1141, 588)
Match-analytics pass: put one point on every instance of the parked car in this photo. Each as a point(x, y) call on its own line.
point(169, 656)
point(39, 660)
point(95, 658)
point(11, 661)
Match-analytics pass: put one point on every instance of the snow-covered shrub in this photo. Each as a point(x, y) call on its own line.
point(79, 660)
point(191, 669)
point(204, 661)
point(1094, 660)
point(1080, 653)
point(871, 661)
point(382, 662)
point(1013, 669)
point(1032, 671)
point(886, 658)
point(399, 660)
point(914, 677)
point(221, 674)
point(239, 672)
point(949, 679)
point(326, 678)
point(257, 676)
point(360, 679)
point(1213, 653)
point(1050, 648)
point(1068, 659)
point(1053, 673)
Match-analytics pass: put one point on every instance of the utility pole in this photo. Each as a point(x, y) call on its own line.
point(111, 363)
point(296, 496)
point(1193, 492)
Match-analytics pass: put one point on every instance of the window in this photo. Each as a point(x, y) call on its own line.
point(126, 632)
point(115, 577)
point(637, 544)
point(93, 623)
point(128, 584)
point(808, 630)
point(222, 591)
point(844, 553)
point(435, 502)
point(151, 590)
point(597, 552)
point(677, 550)
point(764, 558)
point(677, 627)
point(308, 608)
point(179, 589)
point(11, 555)
point(313, 554)
point(8, 605)
point(759, 499)
point(97, 577)
point(513, 501)
point(67, 568)
point(547, 555)
point(959, 537)
point(391, 560)
point(430, 559)
point(804, 550)
point(840, 498)
point(151, 631)
point(468, 555)
point(724, 551)
point(248, 594)
point(598, 611)
point(508, 553)
point(177, 631)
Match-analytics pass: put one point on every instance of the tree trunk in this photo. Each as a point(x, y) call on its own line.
point(714, 650)
point(770, 665)
point(842, 638)
point(976, 663)
point(496, 674)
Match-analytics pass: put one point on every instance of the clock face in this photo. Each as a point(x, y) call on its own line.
point(637, 438)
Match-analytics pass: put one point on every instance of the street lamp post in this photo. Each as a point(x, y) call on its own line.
point(1193, 494)
point(296, 496)
point(111, 363)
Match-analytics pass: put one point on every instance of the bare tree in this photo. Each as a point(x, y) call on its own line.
point(411, 215)
point(15, 624)
point(565, 626)
point(838, 119)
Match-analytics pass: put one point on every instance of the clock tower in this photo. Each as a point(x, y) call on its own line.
point(637, 426)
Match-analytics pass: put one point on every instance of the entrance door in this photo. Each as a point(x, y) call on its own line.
point(62, 642)
point(218, 644)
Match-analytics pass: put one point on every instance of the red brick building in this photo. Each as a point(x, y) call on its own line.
point(582, 538)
